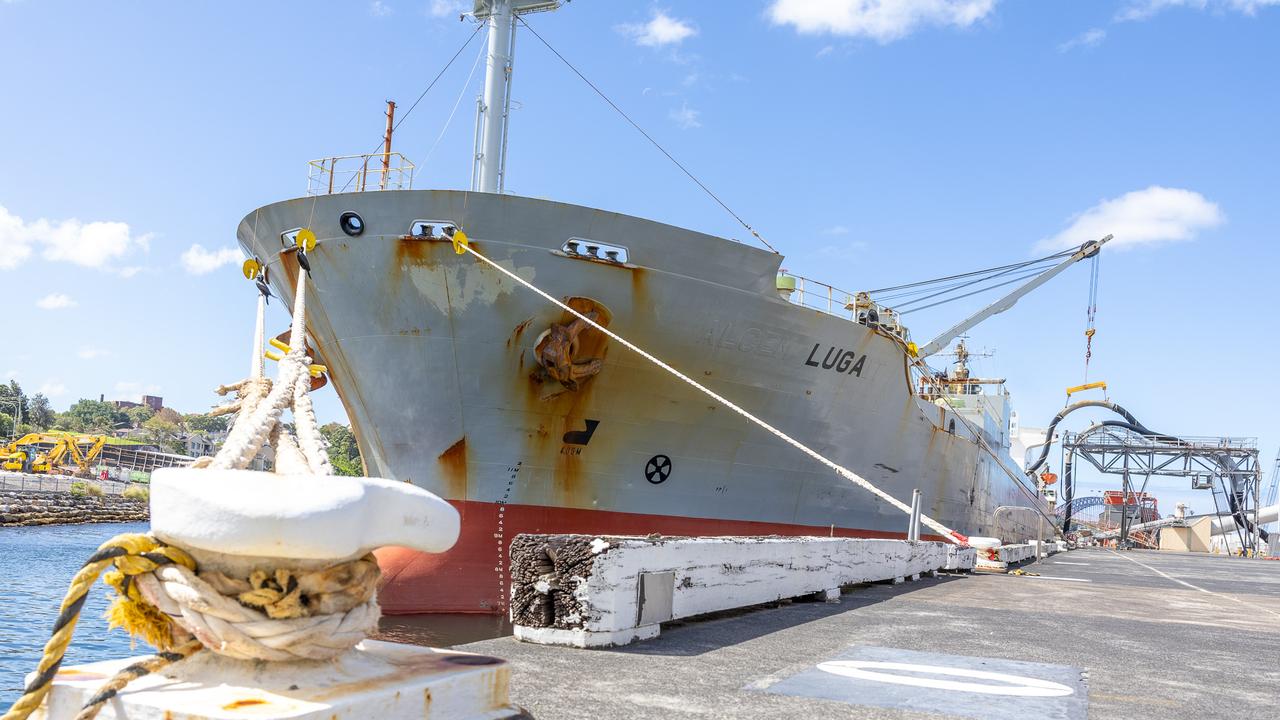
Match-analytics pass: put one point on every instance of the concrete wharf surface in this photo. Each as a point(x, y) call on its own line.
point(1144, 634)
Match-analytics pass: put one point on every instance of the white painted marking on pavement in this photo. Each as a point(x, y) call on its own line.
point(1193, 587)
point(1020, 686)
point(1051, 577)
point(1064, 562)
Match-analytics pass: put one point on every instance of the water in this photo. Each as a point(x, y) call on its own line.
point(37, 564)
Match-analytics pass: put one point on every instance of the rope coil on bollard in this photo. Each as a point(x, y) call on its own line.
point(267, 611)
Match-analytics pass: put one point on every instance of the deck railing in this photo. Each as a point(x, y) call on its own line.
point(821, 296)
point(358, 173)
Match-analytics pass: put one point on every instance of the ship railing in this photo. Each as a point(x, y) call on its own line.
point(359, 173)
point(820, 296)
point(1114, 438)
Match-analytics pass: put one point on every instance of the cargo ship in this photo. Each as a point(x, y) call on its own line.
point(459, 380)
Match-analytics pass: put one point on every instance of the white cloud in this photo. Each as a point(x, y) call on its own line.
point(88, 352)
point(662, 29)
point(56, 301)
point(53, 389)
point(447, 8)
point(686, 117)
point(881, 20)
point(1143, 9)
point(133, 388)
point(1142, 217)
point(846, 251)
point(826, 50)
point(128, 272)
point(377, 8)
point(92, 244)
point(1087, 39)
point(199, 261)
point(836, 230)
point(15, 241)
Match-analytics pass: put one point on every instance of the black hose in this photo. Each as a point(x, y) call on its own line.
point(1140, 429)
point(1044, 454)
point(1242, 518)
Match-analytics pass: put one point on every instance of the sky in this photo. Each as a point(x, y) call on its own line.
point(873, 143)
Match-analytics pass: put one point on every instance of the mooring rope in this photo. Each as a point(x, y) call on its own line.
point(132, 555)
point(273, 613)
point(952, 535)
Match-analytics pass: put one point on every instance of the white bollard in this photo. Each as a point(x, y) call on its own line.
point(382, 680)
point(236, 520)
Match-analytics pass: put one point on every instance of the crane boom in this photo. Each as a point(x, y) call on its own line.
point(1086, 250)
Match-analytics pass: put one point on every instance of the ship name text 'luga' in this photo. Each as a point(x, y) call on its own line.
point(838, 359)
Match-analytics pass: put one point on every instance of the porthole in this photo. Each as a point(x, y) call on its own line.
point(352, 224)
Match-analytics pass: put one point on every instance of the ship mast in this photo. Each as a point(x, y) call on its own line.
point(493, 110)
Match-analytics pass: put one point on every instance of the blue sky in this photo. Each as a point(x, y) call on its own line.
point(872, 144)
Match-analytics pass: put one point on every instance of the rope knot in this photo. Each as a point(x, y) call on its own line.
point(277, 594)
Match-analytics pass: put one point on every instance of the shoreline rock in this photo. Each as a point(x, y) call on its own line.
point(19, 508)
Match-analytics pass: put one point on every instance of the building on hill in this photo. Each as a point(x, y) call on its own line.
point(155, 402)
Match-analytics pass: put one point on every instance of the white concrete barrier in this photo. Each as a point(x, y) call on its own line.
point(961, 558)
point(591, 591)
point(1001, 557)
point(1049, 548)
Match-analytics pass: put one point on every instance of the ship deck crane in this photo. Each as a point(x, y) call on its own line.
point(1086, 250)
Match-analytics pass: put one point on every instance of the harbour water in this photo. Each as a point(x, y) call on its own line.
point(37, 563)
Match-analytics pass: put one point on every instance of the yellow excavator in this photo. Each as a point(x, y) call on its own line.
point(75, 453)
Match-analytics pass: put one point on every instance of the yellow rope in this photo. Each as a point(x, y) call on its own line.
point(133, 672)
point(131, 554)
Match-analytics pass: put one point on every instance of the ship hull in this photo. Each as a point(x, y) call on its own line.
point(473, 576)
point(433, 356)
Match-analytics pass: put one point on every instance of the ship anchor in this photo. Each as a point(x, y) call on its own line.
point(556, 353)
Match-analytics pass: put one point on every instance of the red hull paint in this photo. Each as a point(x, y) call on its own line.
point(473, 575)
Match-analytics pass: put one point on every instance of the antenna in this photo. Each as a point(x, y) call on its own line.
point(386, 144)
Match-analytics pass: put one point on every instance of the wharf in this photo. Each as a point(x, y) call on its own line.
point(1139, 634)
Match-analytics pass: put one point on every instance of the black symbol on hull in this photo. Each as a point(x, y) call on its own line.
point(658, 469)
point(581, 437)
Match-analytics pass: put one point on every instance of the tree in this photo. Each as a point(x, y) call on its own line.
point(139, 415)
point(13, 401)
point(164, 435)
point(40, 413)
point(93, 416)
point(6, 425)
point(344, 453)
point(196, 422)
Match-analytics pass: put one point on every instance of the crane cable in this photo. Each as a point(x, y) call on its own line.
point(649, 137)
point(1091, 313)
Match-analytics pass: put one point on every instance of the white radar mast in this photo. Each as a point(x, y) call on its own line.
point(493, 108)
